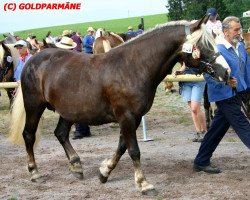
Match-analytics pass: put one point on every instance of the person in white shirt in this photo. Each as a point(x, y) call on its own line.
point(213, 24)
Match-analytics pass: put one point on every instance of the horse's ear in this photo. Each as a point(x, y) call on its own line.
point(214, 34)
point(44, 43)
point(5, 47)
point(197, 25)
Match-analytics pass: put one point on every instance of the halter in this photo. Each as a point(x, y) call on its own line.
point(204, 64)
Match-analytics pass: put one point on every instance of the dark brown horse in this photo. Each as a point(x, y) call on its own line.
point(118, 86)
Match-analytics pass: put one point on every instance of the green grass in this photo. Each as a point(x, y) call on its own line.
point(116, 25)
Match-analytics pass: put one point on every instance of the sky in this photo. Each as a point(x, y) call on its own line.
point(91, 10)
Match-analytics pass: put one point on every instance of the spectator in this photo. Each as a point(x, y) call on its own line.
point(29, 38)
point(49, 38)
point(34, 44)
point(226, 96)
point(140, 29)
point(213, 24)
point(77, 39)
point(82, 130)
point(192, 93)
point(88, 41)
point(66, 33)
point(131, 31)
point(21, 47)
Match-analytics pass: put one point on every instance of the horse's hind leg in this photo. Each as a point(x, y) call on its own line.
point(33, 116)
point(62, 133)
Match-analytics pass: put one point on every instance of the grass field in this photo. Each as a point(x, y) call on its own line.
point(116, 25)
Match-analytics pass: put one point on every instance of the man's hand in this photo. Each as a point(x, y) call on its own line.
point(232, 82)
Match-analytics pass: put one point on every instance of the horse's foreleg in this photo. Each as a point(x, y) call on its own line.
point(32, 120)
point(62, 133)
point(109, 164)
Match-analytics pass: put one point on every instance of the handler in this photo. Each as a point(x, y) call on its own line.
point(225, 96)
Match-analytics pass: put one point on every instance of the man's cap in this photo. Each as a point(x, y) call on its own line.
point(65, 33)
point(91, 29)
point(130, 27)
point(20, 43)
point(212, 12)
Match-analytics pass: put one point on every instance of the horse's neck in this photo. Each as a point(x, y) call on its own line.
point(158, 51)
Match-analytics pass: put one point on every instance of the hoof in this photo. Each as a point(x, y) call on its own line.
point(76, 170)
point(38, 178)
point(151, 192)
point(102, 178)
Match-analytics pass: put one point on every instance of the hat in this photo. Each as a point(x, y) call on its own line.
point(91, 29)
point(212, 12)
point(130, 27)
point(66, 43)
point(20, 43)
point(66, 32)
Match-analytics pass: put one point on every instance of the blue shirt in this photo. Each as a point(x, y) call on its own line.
point(139, 31)
point(240, 69)
point(19, 67)
point(88, 42)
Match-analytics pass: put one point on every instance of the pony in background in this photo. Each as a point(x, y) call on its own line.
point(105, 40)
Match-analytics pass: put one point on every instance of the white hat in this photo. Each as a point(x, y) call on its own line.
point(130, 28)
point(65, 33)
point(91, 29)
point(20, 43)
point(66, 43)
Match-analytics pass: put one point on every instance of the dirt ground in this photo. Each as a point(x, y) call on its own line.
point(166, 161)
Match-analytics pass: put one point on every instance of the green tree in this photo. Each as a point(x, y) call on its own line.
point(175, 9)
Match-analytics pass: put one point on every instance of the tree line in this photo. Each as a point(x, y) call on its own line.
point(195, 9)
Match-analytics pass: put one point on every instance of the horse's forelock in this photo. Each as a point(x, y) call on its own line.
point(14, 53)
point(204, 36)
point(1, 55)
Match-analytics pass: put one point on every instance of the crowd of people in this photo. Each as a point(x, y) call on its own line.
point(224, 95)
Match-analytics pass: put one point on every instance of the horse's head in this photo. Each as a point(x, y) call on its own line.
point(6, 62)
point(9, 39)
point(200, 51)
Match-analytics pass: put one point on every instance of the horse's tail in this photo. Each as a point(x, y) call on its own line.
point(106, 45)
point(17, 119)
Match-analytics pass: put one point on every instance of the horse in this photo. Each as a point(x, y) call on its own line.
point(246, 39)
point(105, 40)
point(117, 86)
point(8, 58)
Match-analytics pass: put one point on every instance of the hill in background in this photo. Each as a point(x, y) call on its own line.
point(116, 25)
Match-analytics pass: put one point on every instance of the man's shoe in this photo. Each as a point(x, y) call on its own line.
point(78, 135)
point(208, 169)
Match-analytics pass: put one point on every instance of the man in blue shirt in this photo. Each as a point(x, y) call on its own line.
point(224, 95)
point(21, 47)
point(88, 41)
